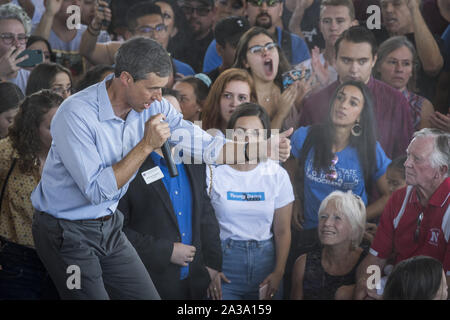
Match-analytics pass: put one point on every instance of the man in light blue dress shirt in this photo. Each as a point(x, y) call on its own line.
point(101, 136)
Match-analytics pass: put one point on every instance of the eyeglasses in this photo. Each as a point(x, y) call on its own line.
point(417, 232)
point(8, 38)
point(201, 11)
point(259, 49)
point(332, 173)
point(258, 3)
point(157, 29)
point(61, 91)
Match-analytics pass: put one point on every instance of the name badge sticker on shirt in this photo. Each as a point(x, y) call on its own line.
point(152, 175)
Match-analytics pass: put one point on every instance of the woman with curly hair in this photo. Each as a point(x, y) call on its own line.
point(22, 158)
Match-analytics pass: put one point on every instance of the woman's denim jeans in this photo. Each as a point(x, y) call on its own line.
point(246, 264)
point(22, 274)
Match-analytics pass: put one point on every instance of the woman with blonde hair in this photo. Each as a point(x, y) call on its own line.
point(232, 88)
point(330, 272)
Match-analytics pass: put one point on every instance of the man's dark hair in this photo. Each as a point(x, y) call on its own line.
point(141, 9)
point(94, 75)
point(230, 29)
point(140, 56)
point(357, 34)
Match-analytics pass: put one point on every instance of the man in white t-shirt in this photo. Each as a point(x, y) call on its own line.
point(14, 31)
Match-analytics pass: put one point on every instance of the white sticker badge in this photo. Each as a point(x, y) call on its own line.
point(152, 175)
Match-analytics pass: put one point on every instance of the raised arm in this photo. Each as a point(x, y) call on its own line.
point(427, 48)
point(299, 7)
point(277, 148)
point(45, 25)
point(98, 53)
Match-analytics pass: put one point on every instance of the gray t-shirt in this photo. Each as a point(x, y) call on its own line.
point(67, 53)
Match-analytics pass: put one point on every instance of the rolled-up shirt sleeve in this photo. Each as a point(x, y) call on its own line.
point(75, 144)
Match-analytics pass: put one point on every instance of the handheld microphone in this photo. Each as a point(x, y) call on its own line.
point(169, 159)
point(165, 148)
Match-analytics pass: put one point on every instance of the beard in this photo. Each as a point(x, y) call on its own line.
point(263, 24)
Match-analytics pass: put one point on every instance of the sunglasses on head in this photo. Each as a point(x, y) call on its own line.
point(258, 3)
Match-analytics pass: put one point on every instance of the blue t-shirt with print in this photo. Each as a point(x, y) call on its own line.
point(349, 176)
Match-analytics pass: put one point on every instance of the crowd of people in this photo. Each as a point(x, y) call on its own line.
point(309, 148)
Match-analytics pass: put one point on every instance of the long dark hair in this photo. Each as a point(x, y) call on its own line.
point(24, 132)
point(242, 48)
point(417, 278)
point(248, 109)
point(321, 137)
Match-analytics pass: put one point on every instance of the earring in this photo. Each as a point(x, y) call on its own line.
point(356, 129)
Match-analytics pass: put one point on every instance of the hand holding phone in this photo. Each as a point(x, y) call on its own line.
point(35, 57)
point(289, 77)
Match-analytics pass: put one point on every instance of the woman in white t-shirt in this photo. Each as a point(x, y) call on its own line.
point(251, 200)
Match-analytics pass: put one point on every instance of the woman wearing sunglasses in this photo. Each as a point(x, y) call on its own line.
point(340, 154)
point(258, 53)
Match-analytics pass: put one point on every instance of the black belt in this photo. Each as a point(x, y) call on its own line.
point(104, 218)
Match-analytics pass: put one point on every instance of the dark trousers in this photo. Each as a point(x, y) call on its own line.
point(91, 259)
point(22, 274)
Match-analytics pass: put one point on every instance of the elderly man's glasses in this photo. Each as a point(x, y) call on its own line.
point(417, 232)
point(157, 29)
point(8, 38)
point(201, 11)
point(258, 3)
point(260, 49)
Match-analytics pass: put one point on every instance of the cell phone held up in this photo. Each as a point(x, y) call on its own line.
point(290, 76)
point(35, 57)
